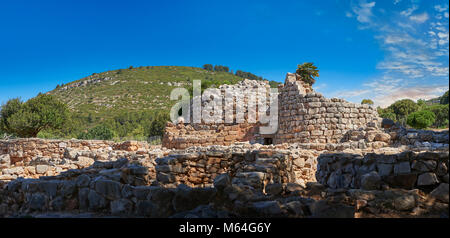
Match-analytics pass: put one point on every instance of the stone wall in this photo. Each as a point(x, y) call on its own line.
point(24, 150)
point(200, 166)
point(32, 158)
point(182, 135)
point(407, 169)
point(306, 116)
point(111, 188)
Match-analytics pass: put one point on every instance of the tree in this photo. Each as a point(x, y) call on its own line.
point(307, 72)
point(389, 115)
point(444, 98)
point(421, 119)
point(100, 132)
point(367, 101)
point(404, 107)
point(29, 118)
point(7, 110)
point(441, 113)
point(208, 67)
point(221, 68)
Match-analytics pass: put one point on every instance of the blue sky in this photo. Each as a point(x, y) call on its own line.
point(383, 49)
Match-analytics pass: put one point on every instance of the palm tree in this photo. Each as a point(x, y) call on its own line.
point(307, 72)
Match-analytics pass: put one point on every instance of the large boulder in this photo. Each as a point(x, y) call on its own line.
point(371, 181)
point(427, 179)
point(441, 193)
point(96, 201)
point(405, 202)
point(267, 208)
point(121, 207)
point(5, 161)
point(108, 188)
point(384, 137)
point(222, 181)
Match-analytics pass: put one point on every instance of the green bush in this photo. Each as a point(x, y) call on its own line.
point(208, 67)
point(421, 119)
point(308, 71)
point(100, 132)
point(367, 101)
point(389, 115)
point(404, 107)
point(441, 113)
point(444, 98)
point(37, 114)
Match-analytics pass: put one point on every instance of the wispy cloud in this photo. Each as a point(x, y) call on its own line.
point(407, 12)
point(441, 8)
point(320, 86)
point(363, 11)
point(420, 18)
point(415, 41)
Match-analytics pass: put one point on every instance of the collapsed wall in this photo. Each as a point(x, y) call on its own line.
point(306, 116)
point(183, 135)
point(198, 167)
point(371, 171)
point(33, 158)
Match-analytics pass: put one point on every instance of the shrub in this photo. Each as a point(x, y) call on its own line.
point(421, 119)
point(308, 71)
point(100, 132)
point(441, 113)
point(444, 98)
point(367, 101)
point(404, 107)
point(388, 115)
point(208, 67)
point(29, 118)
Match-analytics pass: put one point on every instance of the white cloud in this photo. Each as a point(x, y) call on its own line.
point(415, 63)
point(319, 12)
point(420, 18)
point(320, 86)
point(440, 8)
point(352, 93)
point(408, 11)
point(414, 93)
point(397, 1)
point(363, 11)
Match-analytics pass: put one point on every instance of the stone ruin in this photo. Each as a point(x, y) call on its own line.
point(328, 158)
point(304, 116)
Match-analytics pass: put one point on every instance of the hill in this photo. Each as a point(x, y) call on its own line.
point(133, 102)
point(110, 93)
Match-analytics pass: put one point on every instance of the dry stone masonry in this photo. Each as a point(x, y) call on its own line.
point(329, 158)
point(246, 163)
point(304, 116)
point(32, 158)
point(183, 135)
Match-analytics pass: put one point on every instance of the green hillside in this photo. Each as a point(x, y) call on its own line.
point(131, 103)
point(126, 90)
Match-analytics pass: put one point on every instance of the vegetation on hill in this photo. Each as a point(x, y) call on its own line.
point(367, 101)
point(308, 72)
point(421, 119)
point(239, 73)
point(29, 118)
point(123, 104)
point(423, 114)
